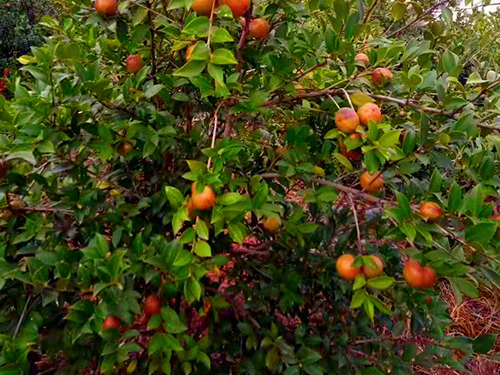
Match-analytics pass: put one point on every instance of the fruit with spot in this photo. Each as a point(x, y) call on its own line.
point(272, 224)
point(382, 75)
point(125, 148)
point(369, 112)
point(152, 305)
point(134, 63)
point(431, 212)
point(111, 322)
point(106, 8)
point(345, 267)
point(202, 201)
point(204, 7)
point(259, 28)
point(351, 154)
point(238, 7)
point(372, 183)
point(418, 276)
point(347, 120)
point(362, 59)
point(370, 272)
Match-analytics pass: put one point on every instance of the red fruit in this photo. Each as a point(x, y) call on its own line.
point(152, 305)
point(125, 148)
point(272, 224)
point(373, 272)
point(259, 28)
point(418, 276)
point(106, 8)
point(202, 201)
point(134, 63)
point(238, 7)
point(204, 7)
point(369, 112)
point(347, 120)
point(362, 59)
point(382, 74)
point(431, 212)
point(345, 268)
point(111, 322)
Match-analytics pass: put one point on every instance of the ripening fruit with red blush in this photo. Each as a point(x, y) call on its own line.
point(372, 183)
point(370, 272)
point(345, 267)
point(106, 8)
point(381, 75)
point(418, 276)
point(202, 201)
point(347, 120)
point(431, 212)
point(152, 305)
point(238, 7)
point(134, 63)
point(111, 322)
point(204, 7)
point(352, 154)
point(369, 112)
point(362, 59)
point(272, 224)
point(259, 28)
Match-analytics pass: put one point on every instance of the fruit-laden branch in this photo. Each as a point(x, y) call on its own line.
point(338, 186)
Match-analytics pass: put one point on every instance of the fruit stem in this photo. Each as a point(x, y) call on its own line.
point(214, 135)
point(348, 98)
point(334, 102)
point(358, 231)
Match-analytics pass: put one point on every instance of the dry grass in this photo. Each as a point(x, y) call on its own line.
point(472, 317)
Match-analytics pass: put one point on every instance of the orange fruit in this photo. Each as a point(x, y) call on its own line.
point(152, 305)
point(382, 74)
point(111, 322)
point(345, 268)
point(347, 120)
point(431, 212)
point(106, 8)
point(369, 112)
point(202, 201)
point(373, 272)
point(259, 28)
point(134, 63)
point(371, 183)
point(204, 7)
point(272, 224)
point(238, 7)
point(362, 59)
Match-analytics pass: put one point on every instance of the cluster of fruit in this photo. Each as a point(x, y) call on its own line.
point(152, 306)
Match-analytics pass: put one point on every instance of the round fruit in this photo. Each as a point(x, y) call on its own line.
point(191, 210)
point(134, 63)
point(373, 272)
point(189, 51)
point(347, 120)
point(371, 183)
point(382, 74)
point(418, 276)
point(345, 268)
point(125, 148)
point(204, 200)
point(204, 7)
point(259, 28)
point(238, 7)
point(280, 151)
point(362, 59)
point(272, 224)
point(111, 322)
point(369, 112)
point(106, 8)
point(152, 305)
point(352, 154)
point(431, 212)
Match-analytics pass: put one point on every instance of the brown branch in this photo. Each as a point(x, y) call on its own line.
point(425, 14)
point(315, 67)
point(358, 231)
point(368, 14)
point(243, 38)
point(340, 187)
point(153, 54)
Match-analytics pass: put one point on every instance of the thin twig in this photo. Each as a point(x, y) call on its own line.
point(368, 14)
point(243, 38)
point(209, 39)
point(21, 318)
point(153, 54)
point(214, 135)
point(358, 231)
point(348, 98)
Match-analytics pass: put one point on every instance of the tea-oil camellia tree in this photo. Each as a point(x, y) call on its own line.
point(246, 187)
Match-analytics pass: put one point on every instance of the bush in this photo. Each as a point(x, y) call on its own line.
point(219, 191)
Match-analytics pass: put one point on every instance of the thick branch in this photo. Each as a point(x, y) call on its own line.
point(243, 38)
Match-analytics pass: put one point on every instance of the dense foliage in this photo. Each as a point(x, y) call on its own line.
point(184, 192)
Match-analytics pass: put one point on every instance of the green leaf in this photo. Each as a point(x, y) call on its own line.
point(173, 323)
point(380, 305)
point(344, 161)
point(139, 15)
point(192, 290)
point(202, 230)
point(230, 198)
point(358, 299)
point(188, 236)
point(171, 343)
point(308, 356)
point(481, 233)
point(191, 69)
point(359, 99)
point(223, 56)
point(491, 275)
point(484, 343)
point(436, 182)
point(455, 198)
point(390, 139)
point(24, 155)
point(409, 141)
point(359, 282)
point(381, 282)
point(403, 205)
point(197, 27)
point(183, 258)
point(475, 79)
point(202, 249)
point(369, 308)
point(174, 196)
point(237, 231)
point(306, 228)
point(465, 287)
point(154, 322)
point(447, 16)
point(398, 10)
point(153, 90)
point(221, 36)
